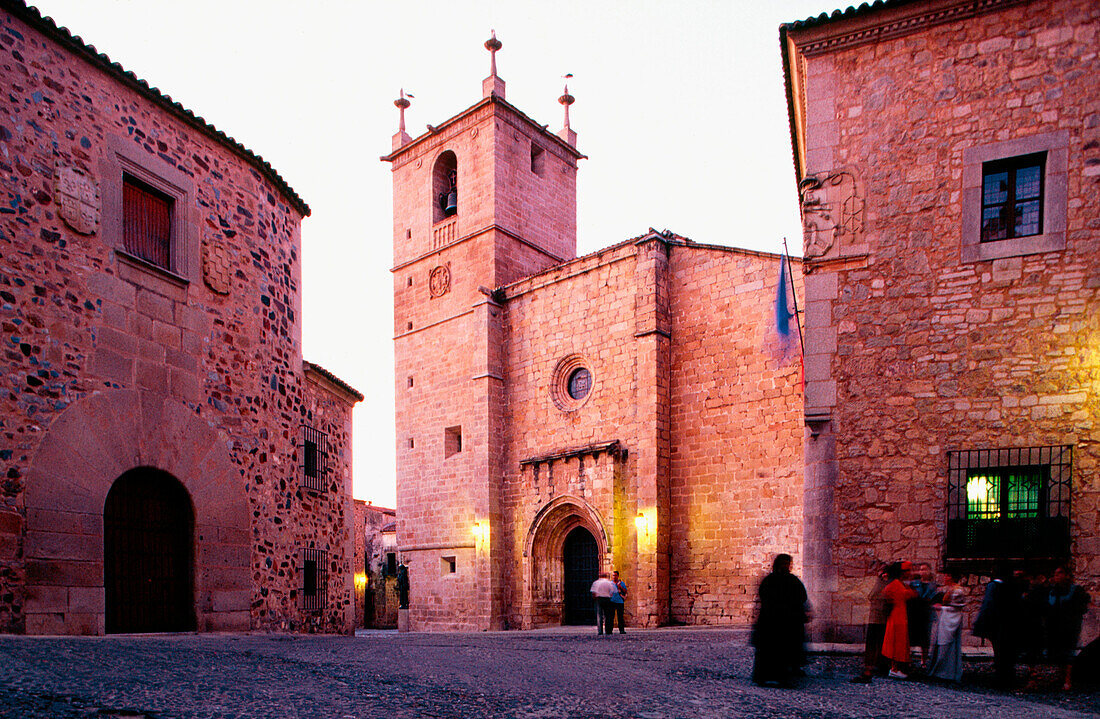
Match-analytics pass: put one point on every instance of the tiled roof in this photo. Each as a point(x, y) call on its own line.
point(850, 12)
point(333, 378)
point(74, 44)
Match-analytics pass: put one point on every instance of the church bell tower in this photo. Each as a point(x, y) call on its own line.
point(481, 200)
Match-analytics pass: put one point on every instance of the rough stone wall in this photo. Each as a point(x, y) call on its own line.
point(326, 518)
point(79, 318)
point(736, 472)
point(921, 346)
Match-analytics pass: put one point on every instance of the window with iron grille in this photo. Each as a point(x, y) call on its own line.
point(146, 222)
point(1010, 503)
point(1012, 197)
point(314, 458)
point(314, 579)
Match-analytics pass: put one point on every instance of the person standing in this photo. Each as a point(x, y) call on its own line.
point(601, 593)
point(920, 611)
point(876, 624)
point(895, 643)
point(946, 659)
point(618, 604)
point(998, 621)
point(779, 632)
point(1067, 605)
point(1033, 609)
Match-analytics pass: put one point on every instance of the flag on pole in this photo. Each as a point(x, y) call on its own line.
point(783, 313)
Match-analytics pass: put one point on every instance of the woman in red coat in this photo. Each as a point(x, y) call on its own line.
point(895, 645)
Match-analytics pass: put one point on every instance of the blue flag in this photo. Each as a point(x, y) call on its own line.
point(782, 313)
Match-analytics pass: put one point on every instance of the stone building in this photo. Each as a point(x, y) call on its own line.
point(560, 415)
point(948, 157)
point(169, 460)
point(375, 566)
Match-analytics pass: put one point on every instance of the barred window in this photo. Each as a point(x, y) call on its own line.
point(314, 458)
point(314, 579)
point(1011, 503)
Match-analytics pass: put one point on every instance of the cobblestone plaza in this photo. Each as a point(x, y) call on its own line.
point(652, 674)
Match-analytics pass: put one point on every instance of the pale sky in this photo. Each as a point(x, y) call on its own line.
point(679, 105)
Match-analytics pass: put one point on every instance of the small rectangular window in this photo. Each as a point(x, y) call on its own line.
point(391, 564)
point(537, 162)
point(449, 565)
point(410, 381)
point(1012, 197)
point(314, 455)
point(146, 222)
point(452, 441)
point(313, 583)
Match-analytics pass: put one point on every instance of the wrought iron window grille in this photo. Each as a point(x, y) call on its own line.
point(1009, 503)
point(314, 579)
point(314, 458)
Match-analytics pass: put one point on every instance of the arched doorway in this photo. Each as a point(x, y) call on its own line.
point(580, 566)
point(148, 540)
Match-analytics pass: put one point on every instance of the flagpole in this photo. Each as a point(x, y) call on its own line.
point(794, 295)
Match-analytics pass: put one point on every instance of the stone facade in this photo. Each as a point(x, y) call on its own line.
point(923, 342)
point(627, 400)
point(188, 370)
point(375, 566)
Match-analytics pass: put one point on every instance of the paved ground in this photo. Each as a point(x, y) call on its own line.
point(657, 674)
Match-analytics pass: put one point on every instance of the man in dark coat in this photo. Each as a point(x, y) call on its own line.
point(999, 621)
point(779, 633)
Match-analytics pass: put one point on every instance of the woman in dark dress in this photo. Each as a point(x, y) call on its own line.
point(779, 633)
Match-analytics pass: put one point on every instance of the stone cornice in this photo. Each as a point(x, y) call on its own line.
point(882, 21)
point(613, 447)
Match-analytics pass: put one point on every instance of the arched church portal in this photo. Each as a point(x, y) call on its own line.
point(565, 551)
point(148, 555)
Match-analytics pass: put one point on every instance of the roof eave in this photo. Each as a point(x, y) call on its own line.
point(76, 45)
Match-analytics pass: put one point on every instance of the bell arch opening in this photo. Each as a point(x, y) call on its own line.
point(445, 186)
point(148, 554)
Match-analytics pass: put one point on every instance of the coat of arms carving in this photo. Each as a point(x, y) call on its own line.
point(78, 200)
point(439, 281)
point(832, 208)
point(215, 266)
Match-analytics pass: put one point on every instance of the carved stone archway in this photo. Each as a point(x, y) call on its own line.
point(542, 554)
point(91, 444)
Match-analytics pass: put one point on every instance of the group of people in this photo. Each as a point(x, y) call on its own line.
point(908, 610)
point(1020, 615)
point(610, 597)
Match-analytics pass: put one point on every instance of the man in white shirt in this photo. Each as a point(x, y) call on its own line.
point(602, 589)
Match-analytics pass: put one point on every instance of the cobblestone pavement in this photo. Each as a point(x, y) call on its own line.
point(656, 674)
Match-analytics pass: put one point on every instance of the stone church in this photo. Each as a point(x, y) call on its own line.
point(170, 462)
point(559, 415)
point(947, 156)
